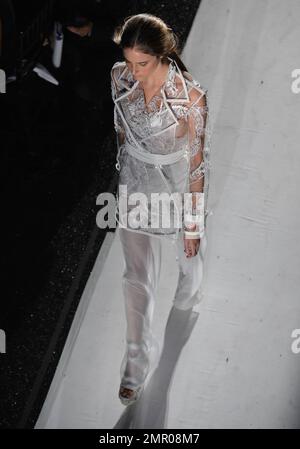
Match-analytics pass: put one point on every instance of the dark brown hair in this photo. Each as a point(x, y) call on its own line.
point(150, 35)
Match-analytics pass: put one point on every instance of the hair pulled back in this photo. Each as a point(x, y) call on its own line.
point(149, 34)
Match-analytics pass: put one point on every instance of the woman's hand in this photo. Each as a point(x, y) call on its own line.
point(191, 246)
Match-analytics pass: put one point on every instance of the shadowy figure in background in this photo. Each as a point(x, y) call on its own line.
point(8, 41)
point(89, 52)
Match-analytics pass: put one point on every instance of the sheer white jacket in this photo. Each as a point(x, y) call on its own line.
point(163, 149)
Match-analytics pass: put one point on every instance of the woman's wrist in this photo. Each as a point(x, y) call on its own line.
point(193, 226)
point(191, 234)
point(194, 213)
point(193, 230)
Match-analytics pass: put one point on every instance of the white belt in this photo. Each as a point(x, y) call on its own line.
point(152, 158)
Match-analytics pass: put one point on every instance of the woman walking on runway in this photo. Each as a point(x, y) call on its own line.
point(161, 121)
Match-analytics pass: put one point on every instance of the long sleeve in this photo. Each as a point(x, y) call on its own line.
point(118, 125)
point(197, 117)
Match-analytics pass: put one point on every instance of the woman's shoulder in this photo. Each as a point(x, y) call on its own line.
point(196, 90)
point(121, 78)
point(117, 68)
point(116, 73)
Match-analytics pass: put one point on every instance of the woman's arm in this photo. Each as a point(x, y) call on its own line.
point(197, 117)
point(118, 125)
point(120, 133)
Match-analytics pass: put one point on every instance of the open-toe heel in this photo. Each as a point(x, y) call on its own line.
point(132, 397)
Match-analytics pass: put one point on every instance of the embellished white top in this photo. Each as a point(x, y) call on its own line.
point(163, 148)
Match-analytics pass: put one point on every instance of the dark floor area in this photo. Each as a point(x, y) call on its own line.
point(58, 153)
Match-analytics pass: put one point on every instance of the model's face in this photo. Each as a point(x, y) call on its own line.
point(141, 65)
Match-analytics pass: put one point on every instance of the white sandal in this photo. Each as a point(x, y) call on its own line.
point(133, 398)
point(152, 364)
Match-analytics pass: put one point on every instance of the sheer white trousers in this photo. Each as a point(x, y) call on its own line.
point(142, 255)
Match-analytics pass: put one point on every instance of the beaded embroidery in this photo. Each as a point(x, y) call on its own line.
point(168, 124)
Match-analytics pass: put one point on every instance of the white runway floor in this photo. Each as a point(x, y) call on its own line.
point(228, 364)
